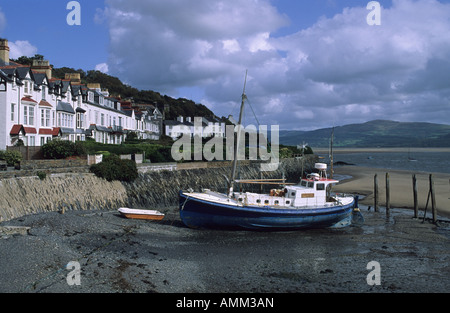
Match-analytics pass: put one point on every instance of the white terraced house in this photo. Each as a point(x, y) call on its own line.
point(203, 127)
point(35, 108)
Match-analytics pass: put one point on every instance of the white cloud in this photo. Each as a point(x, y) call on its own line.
point(339, 69)
point(21, 48)
point(304, 114)
point(260, 42)
point(169, 44)
point(102, 67)
point(231, 46)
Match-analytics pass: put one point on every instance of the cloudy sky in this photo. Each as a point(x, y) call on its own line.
point(311, 64)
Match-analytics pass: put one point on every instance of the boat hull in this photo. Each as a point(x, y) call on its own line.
point(198, 213)
point(141, 214)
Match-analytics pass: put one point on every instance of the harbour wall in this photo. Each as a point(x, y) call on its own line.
point(157, 189)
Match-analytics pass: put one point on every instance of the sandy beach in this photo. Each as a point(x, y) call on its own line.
point(401, 187)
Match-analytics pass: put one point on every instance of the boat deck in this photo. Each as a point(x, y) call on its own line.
point(249, 199)
point(217, 197)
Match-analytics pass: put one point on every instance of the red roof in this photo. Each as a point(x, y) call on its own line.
point(55, 131)
point(13, 65)
point(16, 129)
point(43, 131)
point(28, 98)
point(30, 130)
point(44, 103)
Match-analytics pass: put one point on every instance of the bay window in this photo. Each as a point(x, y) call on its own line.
point(45, 118)
point(28, 115)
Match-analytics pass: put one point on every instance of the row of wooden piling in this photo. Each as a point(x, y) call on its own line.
point(431, 195)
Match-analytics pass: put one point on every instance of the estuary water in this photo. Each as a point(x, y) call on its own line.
point(422, 161)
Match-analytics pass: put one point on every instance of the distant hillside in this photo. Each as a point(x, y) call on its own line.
point(378, 133)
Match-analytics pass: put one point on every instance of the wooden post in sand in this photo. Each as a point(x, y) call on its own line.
point(388, 195)
point(375, 192)
point(433, 199)
point(416, 206)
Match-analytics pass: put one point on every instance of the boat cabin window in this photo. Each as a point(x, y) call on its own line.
point(288, 202)
point(266, 202)
point(258, 200)
point(240, 199)
point(303, 183)
point(293, 193)
point(320, 186)
point(310, 184)
point(276, 202)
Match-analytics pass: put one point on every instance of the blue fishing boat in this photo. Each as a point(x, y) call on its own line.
point(309, 204)
point(302, 206)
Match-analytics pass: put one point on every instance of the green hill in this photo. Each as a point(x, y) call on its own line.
point(377, 133)
point(172, 107)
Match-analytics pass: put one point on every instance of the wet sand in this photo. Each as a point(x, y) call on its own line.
point(401, 187)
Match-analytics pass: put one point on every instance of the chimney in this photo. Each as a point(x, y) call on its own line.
point(95, 86)
point(42, 66)
point(4, 51)
point(73, 77)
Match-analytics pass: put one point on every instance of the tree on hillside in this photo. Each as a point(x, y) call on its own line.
point(62, 71)
point(28, 60)
point(177, 107)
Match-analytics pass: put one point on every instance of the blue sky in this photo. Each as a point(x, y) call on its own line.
point(43, 24)
point(311, 64)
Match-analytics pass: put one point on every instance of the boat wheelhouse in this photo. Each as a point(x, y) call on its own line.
point(312, 192)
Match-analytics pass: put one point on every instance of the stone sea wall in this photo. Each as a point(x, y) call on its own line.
point(154, 189)
point(29, 195)
point(160, 189)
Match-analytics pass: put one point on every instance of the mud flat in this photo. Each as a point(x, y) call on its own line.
point(134, 256)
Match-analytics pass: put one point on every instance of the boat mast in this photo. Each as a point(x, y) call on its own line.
point(238, 137)
point(331, 154)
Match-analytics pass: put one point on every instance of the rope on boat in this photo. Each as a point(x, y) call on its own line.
point(187, 198)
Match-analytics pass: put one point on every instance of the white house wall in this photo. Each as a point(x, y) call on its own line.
point(146, 128)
